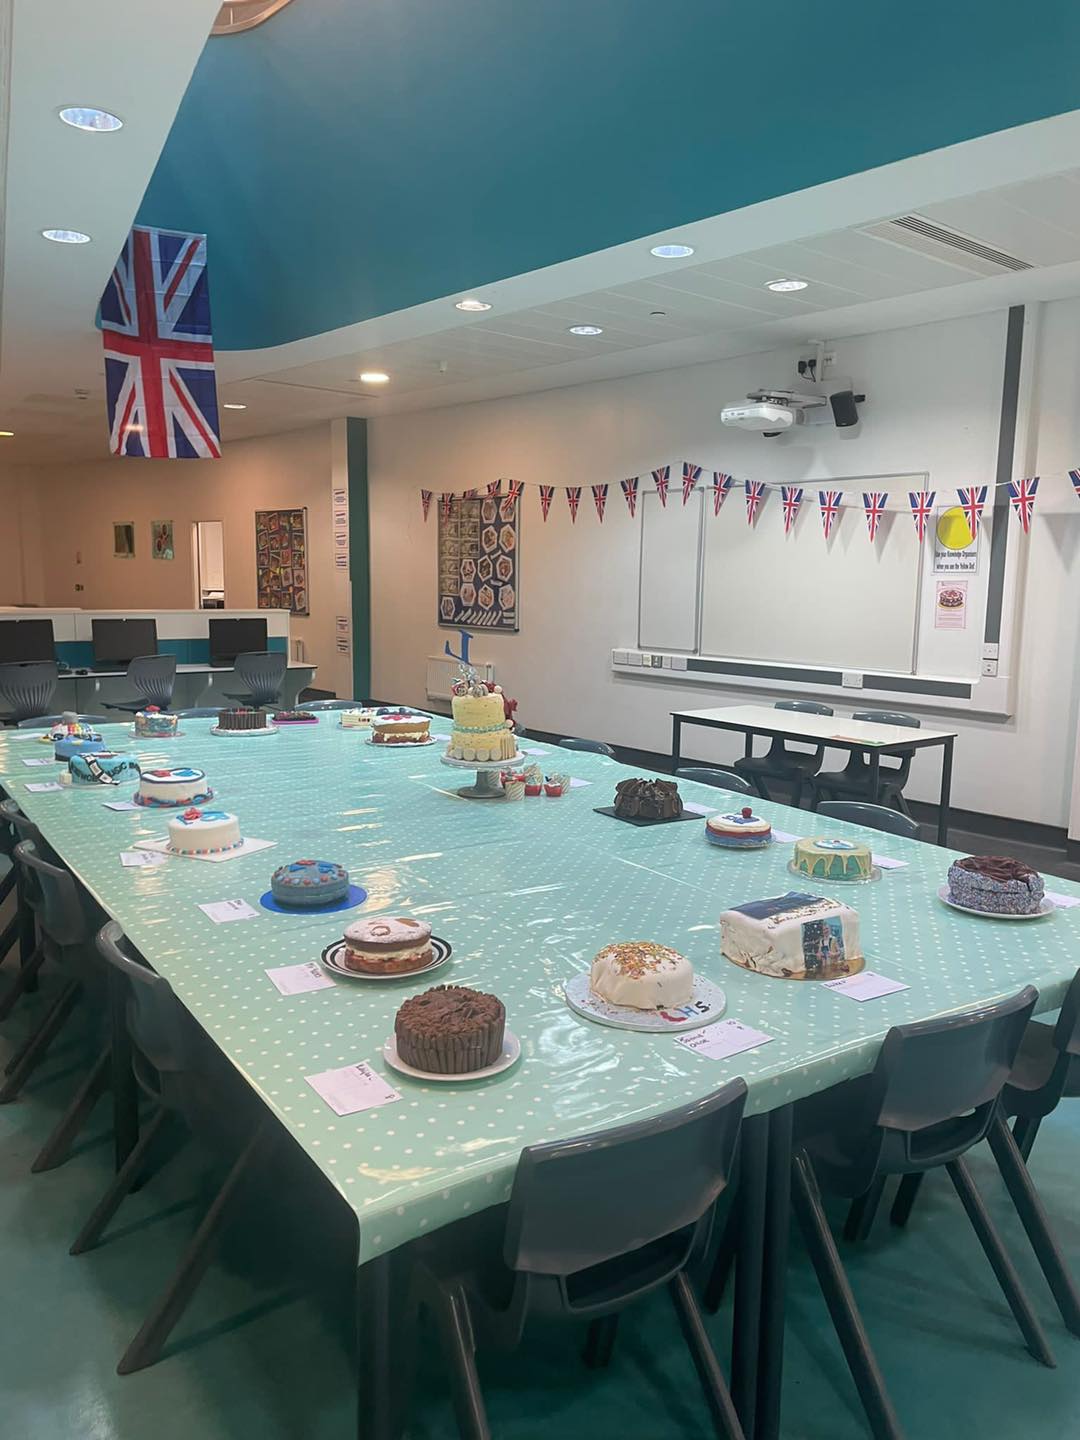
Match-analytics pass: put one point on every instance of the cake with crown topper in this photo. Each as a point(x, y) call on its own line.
point(483, 726)
point(204, 832)
point(744, 831)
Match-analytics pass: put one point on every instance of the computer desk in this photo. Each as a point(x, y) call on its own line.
point(200, 684)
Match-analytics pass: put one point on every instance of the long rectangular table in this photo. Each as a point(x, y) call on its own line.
point(526, 893)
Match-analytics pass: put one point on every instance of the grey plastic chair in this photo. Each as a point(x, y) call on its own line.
point(780, 763)
point(260, 673)
point(855, 781)
point(153, 677)
point(589, 1229)
point(874, 817)
point(20, 928)
point(27, 687)
point(719, 778)
point(188, 1080)
point(42, 722)
point(591, 747)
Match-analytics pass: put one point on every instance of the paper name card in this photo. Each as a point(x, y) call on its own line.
point(352, 1088)
point(867, 985)
point(696, 809)
point(45, 787)
point(784, 837)
point(41, 760)
point(725, 1038)
point(297, 979)
point(140, 859)
point(576, 784)
point(1063, 902)
point(886, 862)
point(222, 911)
point(121, 805)
point(526, 751)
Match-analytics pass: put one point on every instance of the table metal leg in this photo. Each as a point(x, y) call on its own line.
point(748, 744)
point(383, 1350)
point(122, 1079)
point(676, 742)
point(946, 792)
point(875, 778)
point(745, 1341)
point(774, 1274)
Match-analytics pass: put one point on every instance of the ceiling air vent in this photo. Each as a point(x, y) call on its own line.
point(915, 232)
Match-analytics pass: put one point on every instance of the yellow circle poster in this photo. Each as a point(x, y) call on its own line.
point(954, 529)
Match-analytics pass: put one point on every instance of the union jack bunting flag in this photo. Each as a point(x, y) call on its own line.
point(874, 505)
point(1022, 495)
point(972, 501)
point(629, 490)
point(516, 487)
point(792, 499)
point(829, 501)
point(691, 474)
point(573, 499)
point(1074, 476)
point(721, 484)
point(599, 495)
point(470, 494)
point(446, 501)
point(546, 492)
point(922, 507)
point(755, 490)
point(661, 479)
point(425, 501)
point(160, 385)
point(495, 488)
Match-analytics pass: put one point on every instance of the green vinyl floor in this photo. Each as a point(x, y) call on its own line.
point(264, 1350)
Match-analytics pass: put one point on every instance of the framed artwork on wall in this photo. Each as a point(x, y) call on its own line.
point(124, 540)
point(281, 573)
point(161, 540)
point(479, 564)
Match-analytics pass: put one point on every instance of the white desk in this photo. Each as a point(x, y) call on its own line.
point(86, 690)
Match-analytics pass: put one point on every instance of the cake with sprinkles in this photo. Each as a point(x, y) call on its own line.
point(744, 831)
point(450, 1030)
point(304, 883)
point(642, 975)
point(996, 883)
point(387, 945)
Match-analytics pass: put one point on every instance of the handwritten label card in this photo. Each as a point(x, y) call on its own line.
point(576, 784)
point(726, 1037)
point(41, 760)
point(1063, 902)
point(296, 979)
point(221, 911)
point(867, 985)
point(696, 809)
point(885, 862)
point(352, 1088)
point(121, 805)
point(47, 787)
point(139, 859)
point(783, 836)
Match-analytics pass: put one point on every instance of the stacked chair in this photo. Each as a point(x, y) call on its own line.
point(855, 781)
point(796, 768)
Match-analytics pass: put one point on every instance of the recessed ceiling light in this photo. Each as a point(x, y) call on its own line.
point(67, 237)
point(85, 117)
point(7, 434)
point(585, 330)
point(472, 306)
point(373, 377)
point(781, 286)
point(232, 405)
point(671, 252)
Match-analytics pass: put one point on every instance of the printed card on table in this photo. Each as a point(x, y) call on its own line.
point(352, 1088)
point(725, 1038)
point(867, 985)
point(222, 911)
point(298, 979)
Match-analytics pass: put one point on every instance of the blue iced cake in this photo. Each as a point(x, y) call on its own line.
point(102, 767)
point(77, 740)
point(309, 882)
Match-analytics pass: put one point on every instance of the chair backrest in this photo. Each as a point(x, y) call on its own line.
point(260, 673)
point(1067, 1028)
point(714, 775)
point(889, 717)
point(200, 712)
point(24, 828)
point(594, 747)
point(63, 917)
point(160, 1027)
point(153, 677)
point(874, 817)
point(808, 707)
point(28, 686)
point(576, 1203)
point(42, 722)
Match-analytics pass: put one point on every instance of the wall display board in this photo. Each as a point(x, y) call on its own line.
point(281, 577)
point(479, 563)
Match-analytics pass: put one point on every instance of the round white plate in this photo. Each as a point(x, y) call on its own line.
point(707, 1004)
point(1046, 907)
point(403, 744)
point(510, 1053)
point(172, 735)
point(875, 874)
point(268, 730)
point(457, 764)
point(332, 959)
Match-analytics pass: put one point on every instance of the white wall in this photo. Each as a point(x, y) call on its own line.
point(934, 394)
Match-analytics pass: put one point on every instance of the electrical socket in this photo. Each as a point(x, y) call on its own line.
point(853, 680)
point(990, 667)
point(990, 651)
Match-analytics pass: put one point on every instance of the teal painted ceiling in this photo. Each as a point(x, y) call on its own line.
point(353, 157)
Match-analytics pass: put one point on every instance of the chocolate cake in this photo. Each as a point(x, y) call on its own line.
point(997, 883)
point(450, 1030)
point(243, 717)
point(648, 799)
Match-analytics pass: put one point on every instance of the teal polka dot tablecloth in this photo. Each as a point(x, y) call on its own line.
point(526, 892)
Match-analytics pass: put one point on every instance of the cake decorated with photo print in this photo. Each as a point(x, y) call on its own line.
point(204, 832)
point(648, 799)
point(155, 723)
point(309, 882)
point(744, 831)
point(387, 945)
point(793, 937)
point(825, 858)
point(399, 727)
point(483, 727)
point(450, 1030)
point(103, 768)
point(643, 975)
point(243, 718)
point(996, 883)
point(173, 785)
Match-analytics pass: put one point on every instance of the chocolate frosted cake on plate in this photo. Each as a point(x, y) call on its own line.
point(996, 883)
point(450, 1030)
point(648, 799)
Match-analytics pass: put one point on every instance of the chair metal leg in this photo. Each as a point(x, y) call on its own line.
point(1024, 1132)
point(1003, 1267)
point(55, 1150)
point(7, 884)
point(1035, 1221)
point(904, 1202)
point(8, 938)
point(600, 1342)
point(23, 981)
point(147, 1345)
point(861, 1212)
point(123, 1183)
point(33, 1052)
point(749, 1266)
point(725, 1418)
point(854, 1341)
point(459, 1344)
point(725, 1259)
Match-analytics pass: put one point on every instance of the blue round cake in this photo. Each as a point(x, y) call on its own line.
point(309, 882)
point(86, 744)
point(102, 767)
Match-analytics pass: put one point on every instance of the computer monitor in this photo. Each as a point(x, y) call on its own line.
point(117, 642)
point(26, 640)
point(229, 638)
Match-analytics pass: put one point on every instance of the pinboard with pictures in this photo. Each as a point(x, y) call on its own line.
point(281, 574)
point(478, 563)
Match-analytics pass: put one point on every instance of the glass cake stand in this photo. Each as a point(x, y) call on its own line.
point(487, 785)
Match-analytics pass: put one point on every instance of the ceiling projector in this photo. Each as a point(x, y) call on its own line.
point(818, 397)
point(765, 417)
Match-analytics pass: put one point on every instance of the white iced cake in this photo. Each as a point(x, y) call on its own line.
point(204, 832)
point(643, 975)
point(177, 785)
point(793, 937)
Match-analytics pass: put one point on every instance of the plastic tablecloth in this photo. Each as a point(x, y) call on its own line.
point(526, 893)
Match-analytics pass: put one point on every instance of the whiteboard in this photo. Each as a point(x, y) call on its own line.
point(669, 596)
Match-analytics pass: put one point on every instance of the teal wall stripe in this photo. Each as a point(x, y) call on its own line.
point(359, 555)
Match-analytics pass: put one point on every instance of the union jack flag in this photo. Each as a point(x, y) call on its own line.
point(1074, 476)
point(721, 484)
point(629, 490)
point(495, 488)
point(755, 491)
point(160, 385)
point(791, 495)
point(972, 501)
point(922, 507)
point(1022, 495)
point(874, 505)
point(516, 487)
point(546, 492)
point(425, 501)
point(829, 501)
point(661, 479)
point(573, 499)
point(691, 474)
point(599, 495)
point(470, 494)
point(446, 501)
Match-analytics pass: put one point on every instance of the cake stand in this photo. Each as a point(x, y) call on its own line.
point(487, 785)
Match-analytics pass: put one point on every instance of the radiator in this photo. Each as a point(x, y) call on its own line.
point(441, 671)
